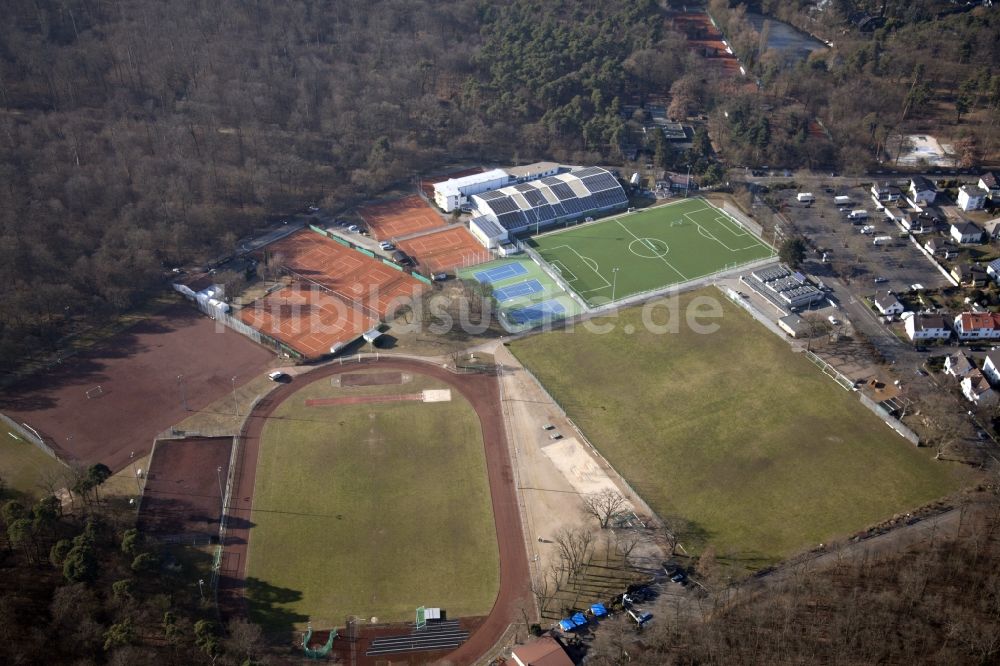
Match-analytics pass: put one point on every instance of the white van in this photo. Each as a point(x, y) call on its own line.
point(859, 214)
point(805, 197)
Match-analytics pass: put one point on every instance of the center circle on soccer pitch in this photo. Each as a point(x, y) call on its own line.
point(648, 248)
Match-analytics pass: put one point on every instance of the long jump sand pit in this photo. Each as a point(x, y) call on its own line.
point(579, 467)
point(429, 395)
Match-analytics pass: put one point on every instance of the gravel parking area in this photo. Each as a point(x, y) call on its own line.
point(897, 264)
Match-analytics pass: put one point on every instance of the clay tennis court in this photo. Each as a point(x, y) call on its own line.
point(400, 217)
point(444, 251)
point(182, 498)
point(706, 40)
point(427, 184)
point(379, 290)
point(144, 374)
point(308, 319)
point(482, 392)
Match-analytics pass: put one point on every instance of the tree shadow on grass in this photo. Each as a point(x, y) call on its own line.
point(268, 607)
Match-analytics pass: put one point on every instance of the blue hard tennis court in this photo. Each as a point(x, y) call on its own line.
point(537, 312)
point(517, 290)
point(499, 273)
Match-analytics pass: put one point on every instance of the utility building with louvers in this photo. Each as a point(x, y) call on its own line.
point(542, 203)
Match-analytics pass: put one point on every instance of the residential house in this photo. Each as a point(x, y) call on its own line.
point(970, 275)
point(546, 651)
point(887, 303)
point(990, 185)
point(978, 391)
point(992, 229)
point(680, 182)
point(991, 367)
point(977, 326)
point(927, 327)
point(885, 192)
point(958, 365)
point(970, 199)
point(940, 247)
point(922, 190)
point(993, 269)
point(913, 222)
point(966, 233)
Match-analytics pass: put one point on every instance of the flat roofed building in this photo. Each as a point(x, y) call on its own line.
point(523, 174)
point(542, 203)
point(455, 192)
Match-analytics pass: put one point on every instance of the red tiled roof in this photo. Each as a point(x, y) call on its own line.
point(972, 321)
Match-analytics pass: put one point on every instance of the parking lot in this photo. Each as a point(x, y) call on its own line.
point(896, 264)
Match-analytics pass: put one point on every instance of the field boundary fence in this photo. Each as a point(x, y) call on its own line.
point(635, 498)
point(30, 435)
point(889, 419)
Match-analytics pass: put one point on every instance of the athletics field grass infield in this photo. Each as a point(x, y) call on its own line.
point(648, 250)
point(732, 430)
point(370, 510)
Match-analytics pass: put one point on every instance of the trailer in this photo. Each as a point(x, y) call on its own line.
point(805, 197)
point(842, 200)
point(882, 240)
point(859, 214)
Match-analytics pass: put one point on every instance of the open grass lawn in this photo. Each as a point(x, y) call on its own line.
point(23, 466)
point(371, 510)
point(647, 250)
point(735, 432)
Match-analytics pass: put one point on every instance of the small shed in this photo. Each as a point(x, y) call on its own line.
point(794, 325)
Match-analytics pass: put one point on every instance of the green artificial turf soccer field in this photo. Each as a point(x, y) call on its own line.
point(648, 250)
point(763, 453)
point(371, 510)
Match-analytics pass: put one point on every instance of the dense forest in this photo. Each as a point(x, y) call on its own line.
point(139, 135)
point(937, 602)
point(918, 73)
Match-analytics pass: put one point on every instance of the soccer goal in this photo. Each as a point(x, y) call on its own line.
point(94, 392)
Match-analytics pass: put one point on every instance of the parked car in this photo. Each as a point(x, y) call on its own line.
point(386, 245)
point(439, 277)
point(278, 376)
point(680, 578)
point(353, 229)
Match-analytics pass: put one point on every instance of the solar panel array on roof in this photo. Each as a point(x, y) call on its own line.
point(512, 221)
point(534, 197)
point(600, 182)
point(488, 226)
point(503, 204)
point(563, 191)
point(589, 171)
point(540, 202)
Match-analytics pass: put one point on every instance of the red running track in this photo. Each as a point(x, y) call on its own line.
point(483, 393)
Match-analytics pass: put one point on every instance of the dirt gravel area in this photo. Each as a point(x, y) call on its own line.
point(147, 375)
point(184, 486)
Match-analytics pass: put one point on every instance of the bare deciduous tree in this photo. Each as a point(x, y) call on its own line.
point(604, 505)
point(574, 548)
